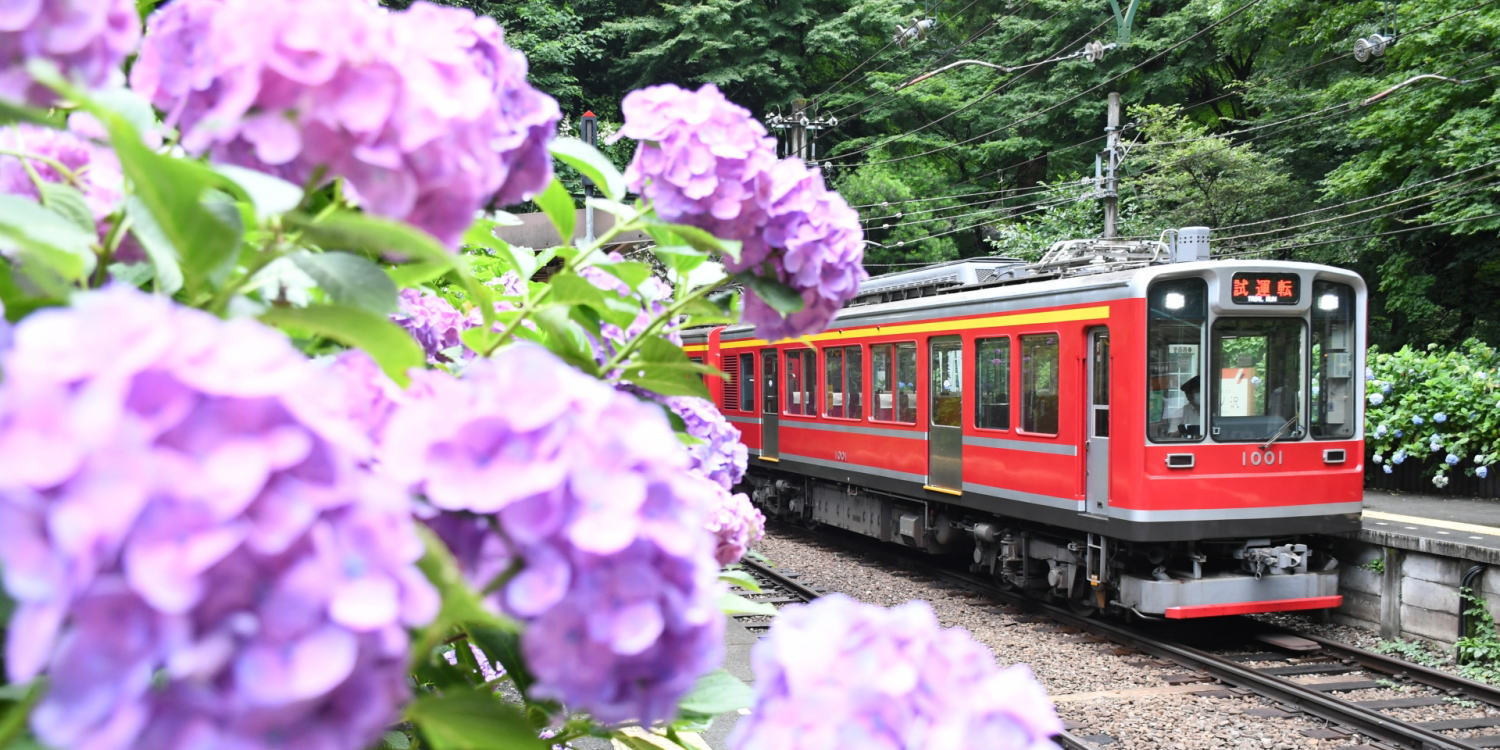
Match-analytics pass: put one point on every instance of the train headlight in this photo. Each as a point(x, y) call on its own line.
point(1174, 301)
point(1328, 302)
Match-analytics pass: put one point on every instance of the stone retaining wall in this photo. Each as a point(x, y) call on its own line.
point(1415, 595)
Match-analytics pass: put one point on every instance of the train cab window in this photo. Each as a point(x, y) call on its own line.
point(1039, 379)
point(801, 377)
point(1256, 393)
point(1334, 361)
point(992, 378)
point(842, 372)
point(893, 383)
point(1177, 314)
point(746, 382)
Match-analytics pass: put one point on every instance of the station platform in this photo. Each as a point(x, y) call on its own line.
point(1458, 527)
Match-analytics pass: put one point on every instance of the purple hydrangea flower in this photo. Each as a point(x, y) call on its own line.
point(591, 489)
point(93, 170)
point(362, 391)
point(425, 113)
point(706, 162)
point(737, 525)
point(197, 555)
point(87, 40)
point(721, 456)
point(433, 321)
point(841, 673)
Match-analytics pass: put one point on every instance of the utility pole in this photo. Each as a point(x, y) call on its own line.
point(1110, 159)
point(795, 142)
point(588, 127)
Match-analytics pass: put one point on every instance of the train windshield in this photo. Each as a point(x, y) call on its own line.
point(1257, 375)
point(1178, 310)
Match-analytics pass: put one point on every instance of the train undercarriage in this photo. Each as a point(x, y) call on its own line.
point(1174, 579)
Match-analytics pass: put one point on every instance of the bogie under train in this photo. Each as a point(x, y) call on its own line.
point(1122, 432)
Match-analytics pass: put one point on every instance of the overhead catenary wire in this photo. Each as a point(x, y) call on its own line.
point(1000, 210)
point(1416, 228)
point(833, 87)
point(1153, 58)
point(1004, 195)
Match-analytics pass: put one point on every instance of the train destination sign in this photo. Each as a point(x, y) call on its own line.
point(1265, 289)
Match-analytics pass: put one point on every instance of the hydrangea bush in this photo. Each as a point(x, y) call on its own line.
point(1437, 407)
point(295, 450)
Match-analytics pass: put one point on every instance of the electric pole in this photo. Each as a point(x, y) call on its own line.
point(1110, 159)
point(588, 127)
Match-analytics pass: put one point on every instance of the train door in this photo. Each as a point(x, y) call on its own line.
point(770, 404)
point(945, 413)
point(1097, 431)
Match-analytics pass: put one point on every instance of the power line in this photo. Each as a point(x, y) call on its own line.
point(1364, 236)
point(1031, 192)
point(1232, 14)
point(1038, 204)
point(1383, 211)
point(835, 85)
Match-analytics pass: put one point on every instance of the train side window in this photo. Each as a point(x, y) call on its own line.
point(841, 392)
point(1334, 361)
point(1177, 314)
point(946, 381)
point(1039, 379)
point(746, 382)
point(992, 375)
point(906, 383)
point(801, 377)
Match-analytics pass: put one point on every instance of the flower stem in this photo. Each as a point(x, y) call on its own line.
point(657, 324)
point(26, 157)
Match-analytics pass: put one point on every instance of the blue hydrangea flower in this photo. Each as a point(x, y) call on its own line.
point(1380, 431)
point(1376, 399)
point(839, 673)
point(1386, 388)
point(198, 553)
point(1387, 468)
point(1400, 433)
point(1482, 472)
point(1399, 456)
point(1451, 459)
point(1440, 417)
point(1416, 420)
point(1378, 458)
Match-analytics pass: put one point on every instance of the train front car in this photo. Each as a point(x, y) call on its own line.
point(1104, 426)
point(1246, 392)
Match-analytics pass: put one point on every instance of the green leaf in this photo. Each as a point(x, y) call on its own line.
point(681, 259)
point(565, 339)
point(270, 195)
point(350, 280)
point(521, 260)
point(698, 239)
point(366, 233)
point(715, 693)
point(558, 205)
point(385, 342)
point(168, 272)
point(67, 201)
point(11, 112)
point(418, 273)
point(47, 238)
point(472, 720)
point(779, 296)
point(395, 740)
point(615, 208)
point(504, 646)
point(734, 604)
point(668, 379)
point(633, 273)
point(592, 164)
point(740, 578)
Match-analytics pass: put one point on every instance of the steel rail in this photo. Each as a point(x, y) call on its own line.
point(1433, 678)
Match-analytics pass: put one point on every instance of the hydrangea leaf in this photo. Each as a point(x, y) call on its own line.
point(565, 339)
point(558, 205)
point(159, 250)
point(350, 280)
point(717, 692)
point(418, 273)
point(615, 208)
point(69, 202)
point(680, 259)
point(46, 237)
point(519, 259)
point(129, 105)
point(270, 195)
point(779, 296)
point(591, 164)
point(633, 273)
point(503, 645)
point(740, 578)
point(472, 720)
point(351, 230)
point(683, 234)
point(734, 604)
point(384, 341)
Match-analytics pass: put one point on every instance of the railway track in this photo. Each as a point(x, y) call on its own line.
point(1302, 674)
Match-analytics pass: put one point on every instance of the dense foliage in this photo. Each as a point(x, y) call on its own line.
point(1243, 116)
point(1437, 407)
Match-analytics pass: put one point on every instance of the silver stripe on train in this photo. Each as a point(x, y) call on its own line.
point(860, 468)
point(1219, 514)
point(1063, 503)
point(742, 420)
point(1022, 445)
point(876, 431)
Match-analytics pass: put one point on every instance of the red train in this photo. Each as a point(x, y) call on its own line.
point(1124, 424)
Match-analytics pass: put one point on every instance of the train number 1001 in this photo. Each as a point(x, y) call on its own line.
point(1262, 458)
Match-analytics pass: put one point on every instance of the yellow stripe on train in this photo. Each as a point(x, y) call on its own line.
point(1098, 312)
